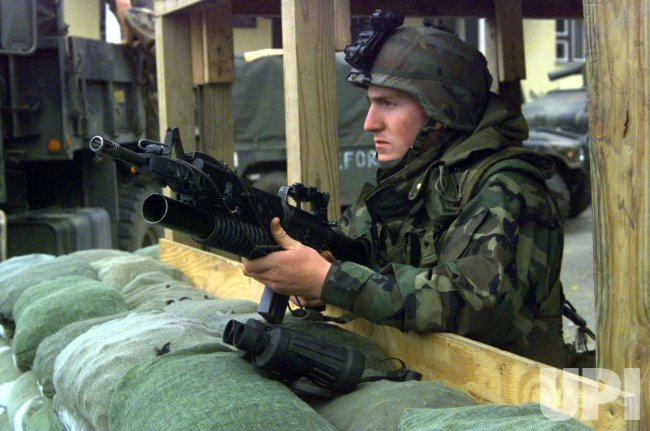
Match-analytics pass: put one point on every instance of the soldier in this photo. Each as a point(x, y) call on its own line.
point(462, 232)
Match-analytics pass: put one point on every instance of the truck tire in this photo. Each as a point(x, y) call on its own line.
point(133, 232)
point(558, 187)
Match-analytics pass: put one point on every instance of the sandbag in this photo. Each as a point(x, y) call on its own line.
point(16, 263)
point(152, 251)
point(379, 405)
point(96, 254)
point(198, 390)
point(488, 417)
point(88, 369)
point(117, 272)
point(12, 287)
point(52, 345)
point(44, 419)
point(22, 399)
point(155, 290)
point(8, 370)
point(205, 311)
point(70, 299)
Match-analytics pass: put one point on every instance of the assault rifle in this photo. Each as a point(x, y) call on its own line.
point(222, 210)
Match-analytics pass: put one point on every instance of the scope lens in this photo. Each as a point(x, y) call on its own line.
point(249, 338)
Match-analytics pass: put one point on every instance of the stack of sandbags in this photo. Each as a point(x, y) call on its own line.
point(12, 286)
point(48, 306)
point(155, 290)
point(204, 389)
point(88, 369)
point(119, 271)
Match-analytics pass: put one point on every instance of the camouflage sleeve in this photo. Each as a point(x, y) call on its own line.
point(496, 261)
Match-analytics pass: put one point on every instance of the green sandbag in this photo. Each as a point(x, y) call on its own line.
point(77, 299)
point(152, 251)
point(8, 370)
point(96, 254)
point(155, 290)
point(16, 263)
point(379, 405)
point(52, 345)
point(198, 390)
point(45, 419)
point(12, 287)
point(46, 288)
point(23, 399)
point(205, 310)
point(117, 272)
point(87, 371)
point(488, 417)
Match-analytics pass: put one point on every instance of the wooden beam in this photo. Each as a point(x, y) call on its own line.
point(342, 34)
point(310, 96)
point(213, 70)
point(618, 81)
point(459, 8)
point(481, 371)
point(505, 51)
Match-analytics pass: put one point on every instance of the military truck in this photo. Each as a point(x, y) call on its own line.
point(58, 91)
point(558, 123)
point(259, 129)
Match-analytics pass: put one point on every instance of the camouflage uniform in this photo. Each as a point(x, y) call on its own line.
point(483, 263)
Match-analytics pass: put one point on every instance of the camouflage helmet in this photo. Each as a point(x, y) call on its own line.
point(446, 75)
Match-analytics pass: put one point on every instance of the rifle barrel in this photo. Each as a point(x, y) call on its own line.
point(115, 150)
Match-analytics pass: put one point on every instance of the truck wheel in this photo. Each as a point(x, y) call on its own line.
point(133, 232)
point(558, 187)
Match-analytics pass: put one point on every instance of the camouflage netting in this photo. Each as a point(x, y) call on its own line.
point(13, 286)
point(87, 371)
point(51, 305)
point(120, 271)
point(206, 389)
point(489, 417)
point(155, 290)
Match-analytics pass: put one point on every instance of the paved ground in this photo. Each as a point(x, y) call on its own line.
point(578, 270)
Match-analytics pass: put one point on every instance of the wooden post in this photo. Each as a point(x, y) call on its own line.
point(213, 68)
point(618, 79)
point(194, 45)
point(342, 35)
point(505, 51)
point(310, 96)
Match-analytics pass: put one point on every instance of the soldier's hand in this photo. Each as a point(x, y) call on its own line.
point(296, 270)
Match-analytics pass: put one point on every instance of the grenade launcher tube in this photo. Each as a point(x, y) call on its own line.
point(219, 230)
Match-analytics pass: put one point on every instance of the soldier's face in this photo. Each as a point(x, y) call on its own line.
point(394, 118)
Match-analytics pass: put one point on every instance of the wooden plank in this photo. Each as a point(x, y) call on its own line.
point(216, 121)
point(618, 82)
point(342, 34)
point(175, 94)
point(505, 52)
point(468, 8)
point(175, 77)
point(484, 372)
point(310, 96)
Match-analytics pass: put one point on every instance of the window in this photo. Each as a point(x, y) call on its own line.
point(569, 41)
